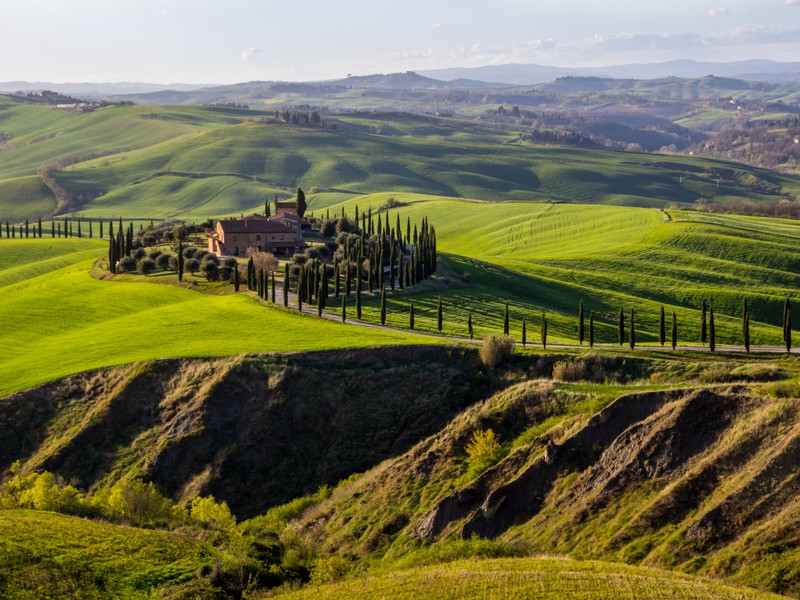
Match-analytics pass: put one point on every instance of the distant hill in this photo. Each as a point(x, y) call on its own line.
point(527, 74)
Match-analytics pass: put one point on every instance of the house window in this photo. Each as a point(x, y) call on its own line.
point(236, 238)
point(258, 237)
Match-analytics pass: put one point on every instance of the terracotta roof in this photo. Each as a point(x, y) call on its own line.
point(255, 226)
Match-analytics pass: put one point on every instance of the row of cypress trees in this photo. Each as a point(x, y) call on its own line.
point(62, 228)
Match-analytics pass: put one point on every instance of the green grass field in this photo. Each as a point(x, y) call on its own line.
point(528, 578)
point(48, 555)
point(63, 321)
point(198, 162)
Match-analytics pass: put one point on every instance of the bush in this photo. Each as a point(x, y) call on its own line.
point(191, 265)
point(496, 350)
point(138, 503)
point(127, 264)
point(230, 262)
point(483, 450)
point(154, 254)
point(165, 261)
point(330, 569)
point(146, 266)
point(596, 368)
point(210, 269)
point(138, 254)
point(189, 251)
point(213, 514)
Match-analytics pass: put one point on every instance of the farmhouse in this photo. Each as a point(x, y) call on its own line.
point(280, 233)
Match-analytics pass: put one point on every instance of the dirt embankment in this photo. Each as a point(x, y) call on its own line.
point(252, 430)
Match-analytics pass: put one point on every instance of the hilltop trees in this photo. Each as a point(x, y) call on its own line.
point(300, 203)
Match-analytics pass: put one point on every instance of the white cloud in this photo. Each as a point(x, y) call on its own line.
point(756, 34)
point(252, 53)
point(627, 41)
point(791, 2)
point(437, 26)
point(719, 12)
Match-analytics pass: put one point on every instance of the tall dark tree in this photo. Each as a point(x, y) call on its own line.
point(674, 330)
point(662, 327)
point(621, 327)
point(300, 203)
point(26, 228)
point(580, 323)
point(787, 325)
point(632, 332)
point(469, 325)
point(251, 274)
point(273, 287)
point(91, 233)
point(358, 302)
point(344, 309)
point(745, 325)
point(712, 334)
point(524, 333)
point(40, 228)
point(703, 325)
point(544, 331)
point(266, 207)
point(411, 317)
point(591, 330)
point(180, 259)
point(505, 320)
point(301, 282)
point(286, 285)
point(383, 306)
point(235, 275)
point(439, 315)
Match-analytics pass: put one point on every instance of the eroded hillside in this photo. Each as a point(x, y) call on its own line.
point(252, 430)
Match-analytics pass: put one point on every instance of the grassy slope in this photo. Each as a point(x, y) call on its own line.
point(525, 578)
point(545, 257)
point(240, 163)
point(47, 555)
point(86, 323)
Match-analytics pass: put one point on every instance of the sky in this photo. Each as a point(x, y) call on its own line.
point(212, 41)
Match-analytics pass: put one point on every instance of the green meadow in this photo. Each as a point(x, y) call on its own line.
point(63, 321)
point(198, 162)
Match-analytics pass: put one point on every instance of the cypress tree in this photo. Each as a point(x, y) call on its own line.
point(344, 309)
point(632, 340)
point(251, 274)
point(40, 228)
point(544, 331)
point(712, 336)
point(273, 287)
point(524, 333)
point(787, 326)
point(336, 278)
point(286, 285)
point(52, 228)
point(674, 330)
point(703, 326)
point(662, 327)
point(591, 330)
point(358, 301)
point(439, 315)
point(469, 325)
point(180, 258)
point(621, 327)
point(79, 229)
point(101, 229)
point(505, 321)
point(112, 265)
point(26, 229)
point(90, 231)
point(300, 283)
point(383, 302)
point(411, 317)
point(580, 323)
point(235, 277)
point(745, 326)
point(320, 301)
point(348, 279)
point(8, 228)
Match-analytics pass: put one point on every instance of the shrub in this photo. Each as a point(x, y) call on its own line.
point(210, 269)
point(127, 264)
point(213, 514)
point(164, 261)
point(191, 265)
point(330, 569)
point(138, 254)
point(154, 254)
point(138, 503)
point(596, 368)
point(230, 262)
point(496, 350)
point(146, 266)
point(483, 450)
point(189, 251)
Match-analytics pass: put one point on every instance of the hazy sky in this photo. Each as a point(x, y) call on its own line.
point(210, 41)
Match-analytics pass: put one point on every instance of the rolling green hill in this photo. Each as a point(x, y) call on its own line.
point(47, 555)
point(198, 162)
point(546, 578)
